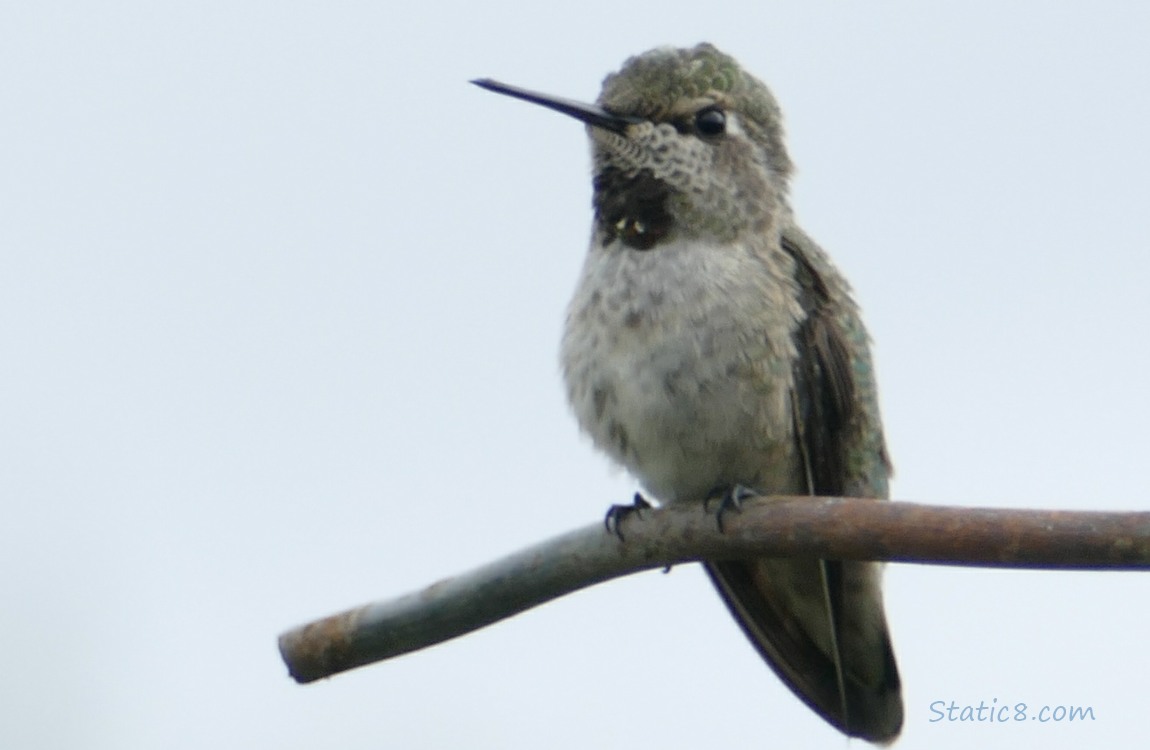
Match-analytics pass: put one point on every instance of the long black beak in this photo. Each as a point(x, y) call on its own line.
point(589, 113)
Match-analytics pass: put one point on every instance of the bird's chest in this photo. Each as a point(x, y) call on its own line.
point(678, 360)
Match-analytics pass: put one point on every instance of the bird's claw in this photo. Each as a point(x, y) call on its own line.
point(616, 513)
point(729, 498)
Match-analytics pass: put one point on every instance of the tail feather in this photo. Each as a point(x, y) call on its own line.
point(837, 659)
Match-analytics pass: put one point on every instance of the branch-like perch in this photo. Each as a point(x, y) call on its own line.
point(833, 528)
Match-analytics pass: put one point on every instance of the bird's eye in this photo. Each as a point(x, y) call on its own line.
point(710, 121)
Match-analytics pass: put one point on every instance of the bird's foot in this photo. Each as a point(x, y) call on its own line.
point(616, 513)
point(729, 498)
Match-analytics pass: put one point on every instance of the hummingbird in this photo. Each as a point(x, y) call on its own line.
point(714, 351)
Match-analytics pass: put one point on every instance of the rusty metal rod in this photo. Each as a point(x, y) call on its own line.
point(833, 528)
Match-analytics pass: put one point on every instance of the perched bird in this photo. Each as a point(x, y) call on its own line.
point(713, 350)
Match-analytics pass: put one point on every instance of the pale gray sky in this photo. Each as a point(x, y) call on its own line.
point(280, 298)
